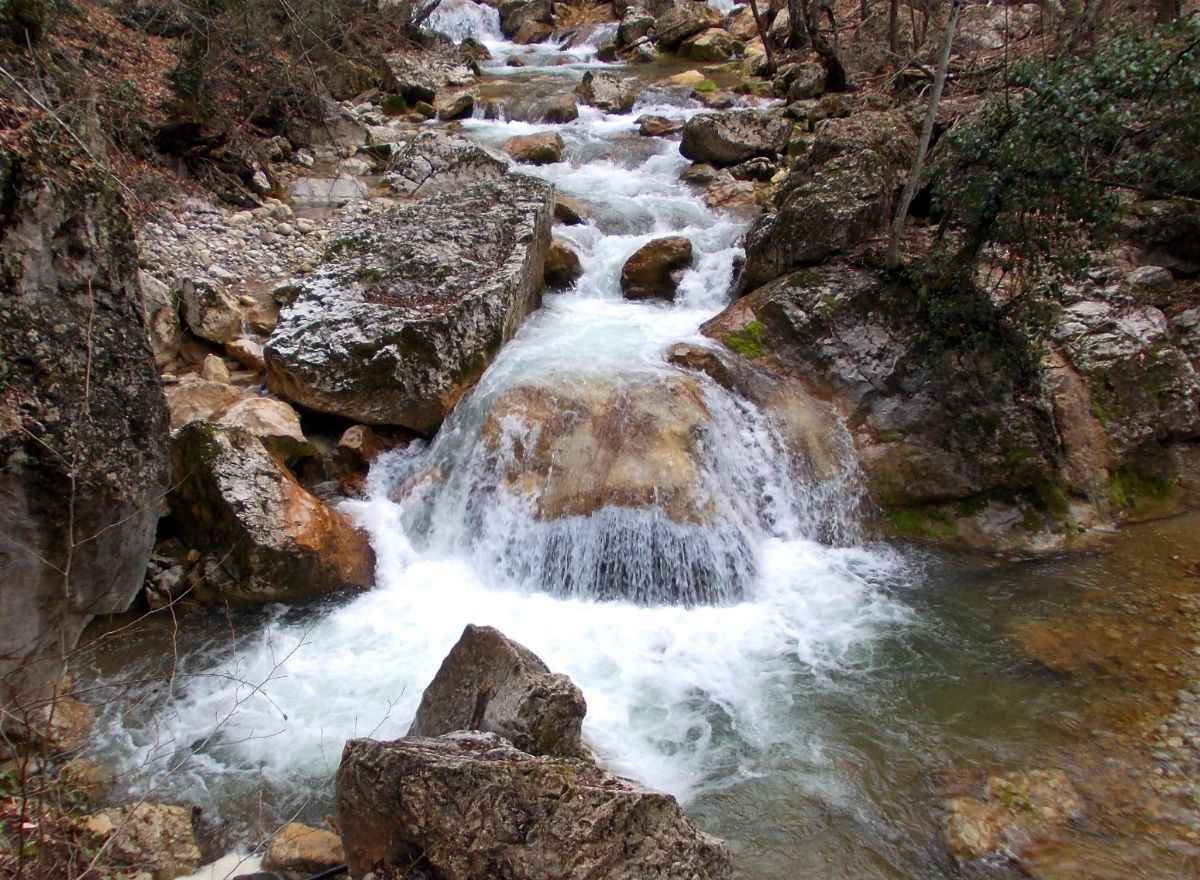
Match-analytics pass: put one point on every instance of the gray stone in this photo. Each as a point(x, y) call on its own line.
point(434, 161)
point(211, 311)
point(490, 683)
point(160, 311)
point(465, 803)
point(679, 22)
point(273, 422)
point(516, 14)
point(607, 92)
point(412, 307)
point(731, 138)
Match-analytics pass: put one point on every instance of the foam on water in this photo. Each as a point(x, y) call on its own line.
point(687, 697)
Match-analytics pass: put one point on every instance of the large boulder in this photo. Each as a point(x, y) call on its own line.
point(679, 22)
point(273, 422)
point(434, 161)
point(731, 138)
point(194, 398)
point(607, 92)
point(83, 424)
point(714, 44)
point(654, 269)
point(211, 310)
point(834, 200)
point(518, 14)
point(419, 74)
point(414, 305)
point(470, 805)
point(489, 682)
point(263, 536)
point(563, 267)
point(542, 148)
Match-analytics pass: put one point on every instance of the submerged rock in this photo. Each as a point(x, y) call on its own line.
point(1015, 810)
point(410, 310)
point(266, 538)
point(654, 269)
point(490, 683)
point(470, 805)
point(562, 265)
point(732, 138)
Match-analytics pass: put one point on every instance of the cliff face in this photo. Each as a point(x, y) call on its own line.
point(83, 424)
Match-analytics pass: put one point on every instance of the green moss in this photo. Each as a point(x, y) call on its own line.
point(1130, 486)
point(748, 342)
point(705, 85)
point(912, 522)
point(971, 506)
point(1052, 498)
point(1015, 456)
point(394, 105)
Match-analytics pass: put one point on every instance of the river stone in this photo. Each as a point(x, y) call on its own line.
point(194, 398)
point(516, 14)
point(533, 32)
point(211, 311)
point(1015, 810)
point(838, 197)
point(569, 211)
point(301, 849)
point(654, 269)
point(559, 110)
point(543, 148)
point(635, 24)
point(273, 422)
point(267, 539)
point(405, 317)
point(607, 92)
point(456, 105)
point(680, 22)
point(463, 804)
point(157, 838)
point(419, 74)
point(489, 682)
point(714, 44)
point(434, 161)
point(731, 138)
point(562, 265)
point(83, 423)
point(160, 312)
point(658, 126)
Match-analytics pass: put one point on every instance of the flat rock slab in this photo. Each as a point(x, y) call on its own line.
point(412, 306)
point(470, 805)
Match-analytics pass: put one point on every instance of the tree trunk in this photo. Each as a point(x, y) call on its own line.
point(894, 29)
point(914, 173)
point(805, 20)
point(1167, 11)
point(763, 27)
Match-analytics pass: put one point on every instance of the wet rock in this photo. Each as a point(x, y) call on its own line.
point(456, 105)
point(462, 802)
point(533, 32)
point(516, 14)
point(197, 399)
point(654, 269)
point(86, 779)
point(211, 311)
point(490, 683)
point(607, 91)
point(149, 837)
point(301, 849)
point(410, 310)
point(740, 22)
point(160, 311)
point(559, 110)
point(658, 126)
point(562, 265)
point(273, 422)
point(731, 138)
point(839, 196)
point(714, 44)
point(83, 424)
point(680, 22)
point(568, 211)
point(1015, 811)
point(687, 79)
point(434, 161)
point(755, 169)
point(266, 538)
point(730, 193)
point(544, 148)
point(358, 447)
point(635, 24)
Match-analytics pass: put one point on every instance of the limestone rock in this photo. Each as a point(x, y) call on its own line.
point(160, 311)
point(273, 422)
point(713, 44)
point(83, 424)
point(562, 265)
point(248, 353)
point(516, 14)
point(214, 370)
point(194, 398)
point(358, 447)
point(301, 849)
point(730, 138)
point(466, 802)
point(151, 837)
point(834, 200)
point(433, 161)
point(1015, 810)
point(680, 22)
point(568, 211)
point(212, 312)
point(559, 110)
point(607, 91)
point(654, 269)
point(406, 316)
point(266, 538)
point(543, 148)
point(490, 683)
point(419, 74)
point(533, 32)
point(456, 105)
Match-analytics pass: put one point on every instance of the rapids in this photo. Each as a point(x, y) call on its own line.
point(796, 716)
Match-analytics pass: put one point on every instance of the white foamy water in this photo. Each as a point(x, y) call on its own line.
point(686, 697)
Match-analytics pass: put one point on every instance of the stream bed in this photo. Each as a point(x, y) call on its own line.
point(816, 716)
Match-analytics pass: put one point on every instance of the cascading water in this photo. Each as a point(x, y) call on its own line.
point(686, 628)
